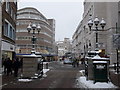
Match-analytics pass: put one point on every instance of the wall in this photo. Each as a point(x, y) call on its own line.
point(0, 33)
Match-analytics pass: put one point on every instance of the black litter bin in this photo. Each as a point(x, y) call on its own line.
point(100, 71)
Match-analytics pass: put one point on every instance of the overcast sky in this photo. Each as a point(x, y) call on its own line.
point(67, 14)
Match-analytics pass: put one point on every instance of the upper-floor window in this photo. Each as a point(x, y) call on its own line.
point(10, 10)
point(7, 5)
point(6, 29)
point(9, 31)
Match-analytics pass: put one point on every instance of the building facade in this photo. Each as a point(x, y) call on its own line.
point(64, 46)
point(0, 33)
point(45, 39)
point(9, 10)
point(84, 39)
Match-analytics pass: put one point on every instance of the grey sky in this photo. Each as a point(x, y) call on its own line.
point(67, 15)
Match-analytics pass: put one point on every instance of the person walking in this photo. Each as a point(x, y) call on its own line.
point(21, 64)
point(16, 66)
point(74, 61)
point(77, 62)
point(4, 65)
point(9, 66)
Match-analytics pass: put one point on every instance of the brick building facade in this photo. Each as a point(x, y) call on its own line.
point(45, 43)
point(9, 10)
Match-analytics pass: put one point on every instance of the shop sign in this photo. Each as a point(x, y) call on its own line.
point(100, 66)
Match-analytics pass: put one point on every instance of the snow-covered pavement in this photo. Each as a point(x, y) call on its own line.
point(29, 80)
point(82, 81)
point(44, 72)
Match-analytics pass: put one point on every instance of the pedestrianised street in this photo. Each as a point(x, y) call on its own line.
point(59, 76)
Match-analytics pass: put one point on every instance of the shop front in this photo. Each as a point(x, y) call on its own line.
point(8, 50)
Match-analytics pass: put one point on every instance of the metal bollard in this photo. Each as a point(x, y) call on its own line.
point(46, 65)
point(115, 66)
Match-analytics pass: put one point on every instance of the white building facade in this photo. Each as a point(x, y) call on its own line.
point(64, 46)
point(84, 39)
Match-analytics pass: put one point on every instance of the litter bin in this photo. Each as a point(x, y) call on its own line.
point(100, 71)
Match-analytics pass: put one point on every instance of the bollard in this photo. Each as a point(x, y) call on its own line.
point(115, 66)
point(46, 65)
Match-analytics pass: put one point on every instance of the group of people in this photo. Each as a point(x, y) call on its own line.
point(12, 65)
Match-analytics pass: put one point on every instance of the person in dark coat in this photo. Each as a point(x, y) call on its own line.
point(5, 65)
point(74, 62)
point(16, 66)
point(21, 64)
point(9, 66)
point(77, 62)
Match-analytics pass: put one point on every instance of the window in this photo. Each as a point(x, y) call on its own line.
point(6, 29)
point(24, 38)
point(9, 9)
point(14, 15)
point(11, 13)
point(9, 31)
point(7, 6)
point(14, 35)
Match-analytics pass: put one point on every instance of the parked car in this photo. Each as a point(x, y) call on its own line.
point(67, 61)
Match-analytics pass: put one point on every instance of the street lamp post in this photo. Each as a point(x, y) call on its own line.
point(32, 28)
point(96, 22)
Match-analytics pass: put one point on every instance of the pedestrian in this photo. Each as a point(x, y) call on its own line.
point(4, 65)
point(21, 64)
point(16, 66)
point(73, 62)
point(82, 60)
point(77, 62)
point(9, 66)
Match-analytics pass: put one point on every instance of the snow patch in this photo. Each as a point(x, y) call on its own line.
point(82, 72)
point(99, 61)
point(90, 83)
point(44, 75)
point(101, 58)
point(35, 77)
point(45, 70)
point(25, 80)
point(45, 62)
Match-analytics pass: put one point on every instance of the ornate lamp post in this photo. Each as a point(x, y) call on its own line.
point(96, 22)
point(32, 28)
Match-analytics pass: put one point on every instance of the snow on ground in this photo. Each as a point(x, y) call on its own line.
point(45, 62)
point(82, 72)
point(90, 83)
point(29, 80)
point(24, 80)
point(45, 70)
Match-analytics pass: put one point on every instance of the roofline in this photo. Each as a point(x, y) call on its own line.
point(33, 9)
